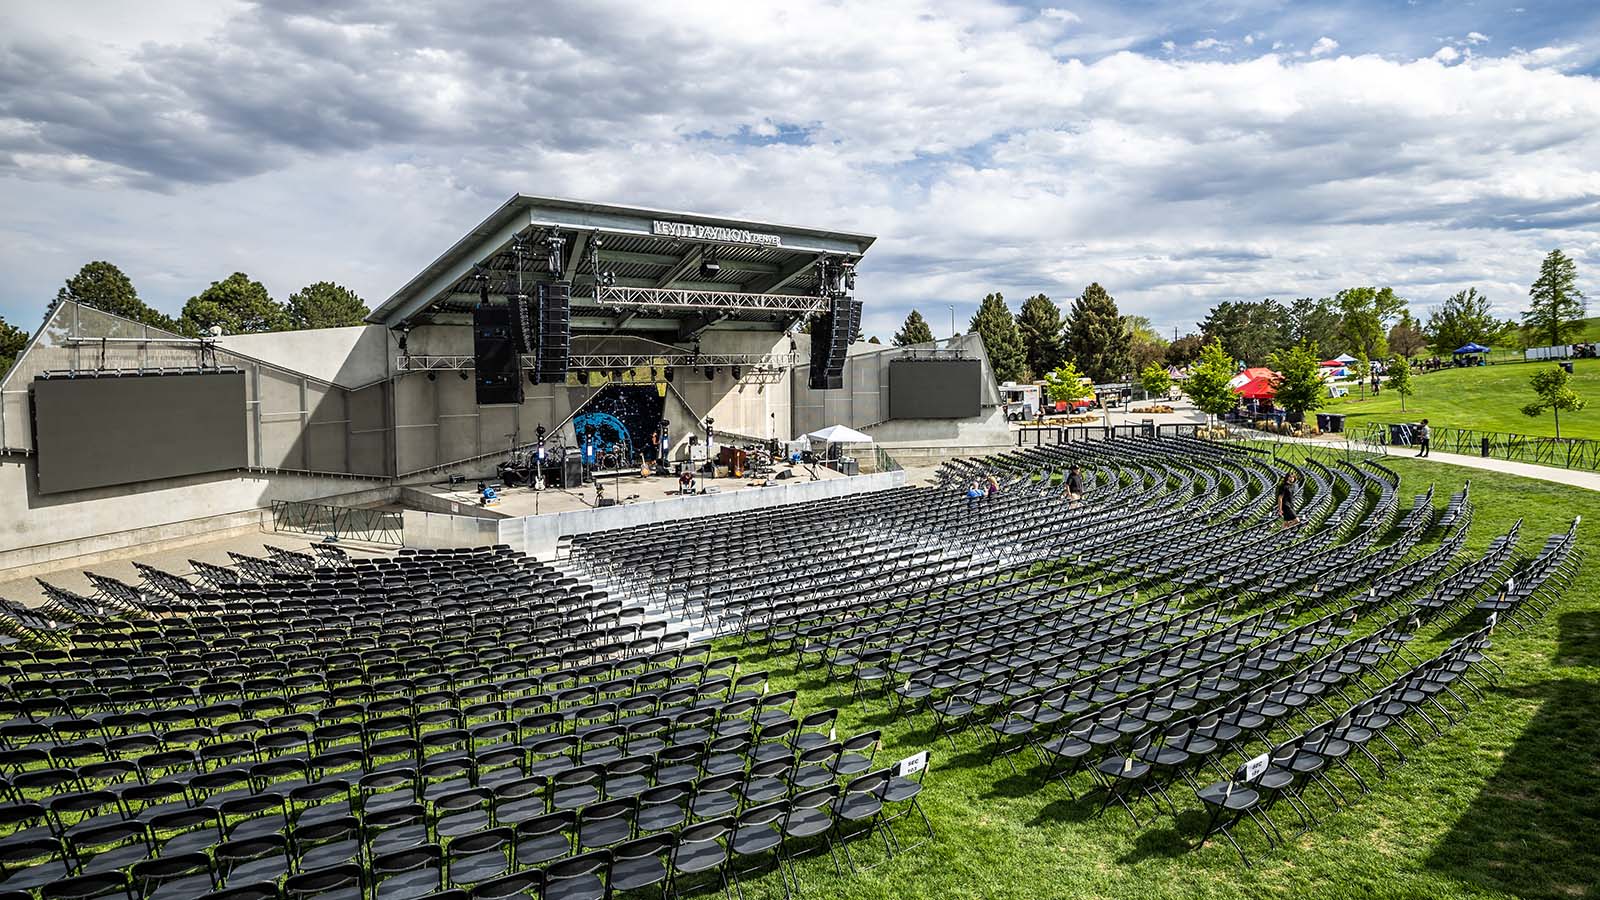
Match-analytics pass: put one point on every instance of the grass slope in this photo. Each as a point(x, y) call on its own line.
point(1489, 398)
point(1503, 805)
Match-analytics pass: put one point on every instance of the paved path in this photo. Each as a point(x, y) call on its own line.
point(1574, 477)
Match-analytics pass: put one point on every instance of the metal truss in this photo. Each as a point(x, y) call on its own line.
point(728, 301)
point(756, 362)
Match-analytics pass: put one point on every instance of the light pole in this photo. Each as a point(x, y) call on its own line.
point(952, 321)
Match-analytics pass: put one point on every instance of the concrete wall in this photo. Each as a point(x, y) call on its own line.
point(539, 535)
point(36, 529)
point(348, 357)
point(438, 530)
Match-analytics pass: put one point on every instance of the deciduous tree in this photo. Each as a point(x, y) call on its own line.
point(1366, 314)
point(1155, 380)
point(1185, 350)
point(994, 324)
point(1299, 387)
point(1464, 318)
point(1065, 384)
point(1207, 384)
point(1399, 379)
point(1554, 392)
point(1314, 322)
point(1406, 337)
point(1557, 307)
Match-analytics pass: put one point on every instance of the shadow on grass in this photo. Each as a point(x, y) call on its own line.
point(1530, 831)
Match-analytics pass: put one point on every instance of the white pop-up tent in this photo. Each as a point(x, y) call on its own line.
point(839, 434)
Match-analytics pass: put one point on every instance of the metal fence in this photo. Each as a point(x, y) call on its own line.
point(1566, 453)
point(1039, 435)
point(375, 526)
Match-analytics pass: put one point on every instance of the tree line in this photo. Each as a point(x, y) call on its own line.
point(1369, 323)
point(236, 304)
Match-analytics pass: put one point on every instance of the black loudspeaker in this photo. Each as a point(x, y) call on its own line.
point(608, 501)
point(495, 361)
point(521, 328)
point(572, 471)
point(553, 309)
point(830, 343)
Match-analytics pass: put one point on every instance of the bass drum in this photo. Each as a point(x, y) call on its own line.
point(610, 460)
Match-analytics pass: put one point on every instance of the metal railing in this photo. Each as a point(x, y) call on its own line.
point(1039, 435)
point(374, 526)
point(883, 461)
point(1566, 453)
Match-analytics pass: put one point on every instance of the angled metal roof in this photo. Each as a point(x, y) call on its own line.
point(641, 247)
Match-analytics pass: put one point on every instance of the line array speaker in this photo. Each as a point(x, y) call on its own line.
point(553, 352)
point(495, 361)
point(521, 329)
point(830, 343)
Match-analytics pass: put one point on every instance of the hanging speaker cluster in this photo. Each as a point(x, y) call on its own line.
point(830, 343)
point(553, 348)
point(496, 364)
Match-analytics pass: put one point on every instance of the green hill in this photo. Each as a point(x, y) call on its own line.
point(1488, 398)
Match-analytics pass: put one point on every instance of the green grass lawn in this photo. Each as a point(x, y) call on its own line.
point(1503, 805)
point(1488, 398)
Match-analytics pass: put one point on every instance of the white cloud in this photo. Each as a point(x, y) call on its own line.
point(1064, 16)
point(1477, 37)
point(1324, 46)
point(343, 145)
point(1447, 54)
point(1211, 44)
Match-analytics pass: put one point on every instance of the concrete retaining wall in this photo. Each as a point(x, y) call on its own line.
point(436, 530)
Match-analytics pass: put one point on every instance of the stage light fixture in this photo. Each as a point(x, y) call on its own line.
point(668, 373)
point(463, 374)
point(709, 267)
point(433, 376)
point(711, 372)
point(553, 246)
point(737, 372)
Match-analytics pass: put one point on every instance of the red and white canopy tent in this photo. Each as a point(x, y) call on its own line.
point(1254, 383)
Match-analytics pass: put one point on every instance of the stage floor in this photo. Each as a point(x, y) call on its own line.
point(629, 488)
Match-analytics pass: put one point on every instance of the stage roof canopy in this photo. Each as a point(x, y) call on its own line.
point(653, 262)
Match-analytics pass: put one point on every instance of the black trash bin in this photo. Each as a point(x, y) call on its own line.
point(1322, 422)
point(1336, 423)
point(1567, 364)
point(1484, 448)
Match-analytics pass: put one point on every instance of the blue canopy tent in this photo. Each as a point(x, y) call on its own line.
point(1465, 352)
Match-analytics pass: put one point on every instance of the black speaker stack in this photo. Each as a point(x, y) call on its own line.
point(495, 360)
point(552, 305)
point(830, 343)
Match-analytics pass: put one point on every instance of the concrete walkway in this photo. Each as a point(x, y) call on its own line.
point(1573, 477)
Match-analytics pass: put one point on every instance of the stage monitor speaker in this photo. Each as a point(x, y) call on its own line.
point(608, 501)
point(571, 472)
point(494, 356)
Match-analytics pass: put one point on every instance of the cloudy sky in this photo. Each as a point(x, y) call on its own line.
point(1178, 153)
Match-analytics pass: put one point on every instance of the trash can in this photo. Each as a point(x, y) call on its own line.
point(1336, 423)
point(1322, 422)
point(1567, 364)
point(1484, 448)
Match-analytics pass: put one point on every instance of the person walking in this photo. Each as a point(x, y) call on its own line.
point(1424, 439)
point(1288, 496)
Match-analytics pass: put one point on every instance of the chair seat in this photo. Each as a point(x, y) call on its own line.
point(856, 807)
point(634, 874)
point(750, 841)
point(1240, 798)
point(806, 823)
point(698, 857)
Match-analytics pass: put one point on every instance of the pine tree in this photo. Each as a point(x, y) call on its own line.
point(325, 305)
point(914, 331)
point(1557, 308)
point(1039, 323)
point(12, 340)
point(101, 285)
point(994, 324)
point(1096, 338)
